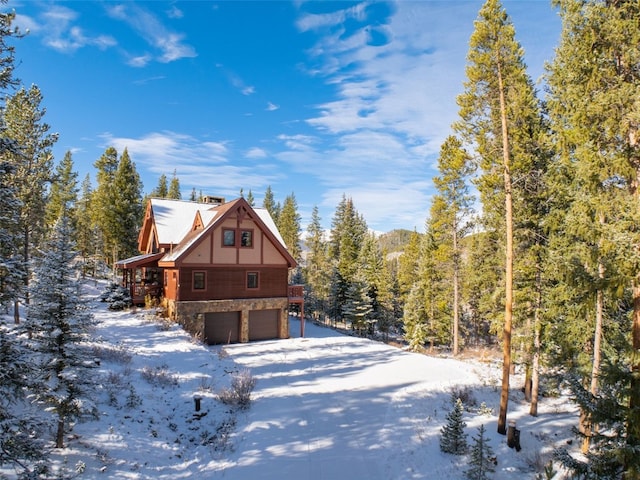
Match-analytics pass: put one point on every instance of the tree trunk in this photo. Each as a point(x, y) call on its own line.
point(456, 308)
point(508, 304)
point(16, 312)
point(633, 422)
point(535, 361)
point(60, 434)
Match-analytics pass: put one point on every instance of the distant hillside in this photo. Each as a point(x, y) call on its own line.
point(395, 240)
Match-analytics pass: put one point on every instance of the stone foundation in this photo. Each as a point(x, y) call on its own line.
point(191, 314)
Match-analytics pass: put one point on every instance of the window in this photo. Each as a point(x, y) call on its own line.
point(229, 238)
point(246, 238)
point(252, 279)
point(199, 280)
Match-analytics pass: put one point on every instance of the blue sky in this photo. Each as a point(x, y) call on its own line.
point(318, 99)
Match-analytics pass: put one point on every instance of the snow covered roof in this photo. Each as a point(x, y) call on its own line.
point(174, 218)
point(174, 221)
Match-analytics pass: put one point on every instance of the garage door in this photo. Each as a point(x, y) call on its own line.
point(263, 324)
point(221, 327)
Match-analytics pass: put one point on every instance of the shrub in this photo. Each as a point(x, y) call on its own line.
point(239, 393)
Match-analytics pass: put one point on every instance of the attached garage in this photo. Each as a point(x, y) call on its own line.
point(263, 324)
point(221, 327)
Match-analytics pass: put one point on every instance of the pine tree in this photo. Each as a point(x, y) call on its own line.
point(11, 264)
point(59, 323)
point(161, 190)
point(23, 118)
point(21, 445)
point(270, 204)
point(408, 266)
point(449, 223)
point(499, 116)
point(251, 200)
point(174, 188)
point(317, 269)
point(87, 234)
point(127, 207)
point(597, 131)
point(453, 439)
point(103, 199)
point(289, 226)
point(64, 190)
point(482, 461)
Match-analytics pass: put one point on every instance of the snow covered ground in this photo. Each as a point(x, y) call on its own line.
point(325, 407)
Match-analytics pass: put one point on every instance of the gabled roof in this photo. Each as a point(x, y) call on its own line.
point(175, 221)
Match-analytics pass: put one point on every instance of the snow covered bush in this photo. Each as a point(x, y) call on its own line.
point(159, 376)
point(453, 439)
point(117, 296)
point(239, 393)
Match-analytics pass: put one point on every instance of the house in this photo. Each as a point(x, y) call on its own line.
point(220, 269)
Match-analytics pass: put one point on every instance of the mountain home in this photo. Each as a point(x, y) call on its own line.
point(220, 269)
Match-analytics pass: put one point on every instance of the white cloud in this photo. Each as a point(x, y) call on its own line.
point(174, 12)
point(59, 32)
point(256, 152)
point(170, 45)
point(236, 81)
point(271, 107)
point(204, 165)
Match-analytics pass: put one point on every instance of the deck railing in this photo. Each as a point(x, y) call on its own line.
point(296, 291)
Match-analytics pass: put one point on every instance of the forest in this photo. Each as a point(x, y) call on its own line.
point(531, 244)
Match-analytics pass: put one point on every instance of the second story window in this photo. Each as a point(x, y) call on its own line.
point(229, 238)
point(246, 238)
point(252, 279)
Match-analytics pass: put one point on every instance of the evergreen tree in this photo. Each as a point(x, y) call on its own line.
point(193, 197)
point(174, 188)
point(87, 234)
point(11, 264)
point(357, 306)
point(408, 266)
point(23, 119)
point(64, 190)
point(482, 461)
point(127, 207)
point(251, 199)
point(59, 323)
point(317, 270)
point(103, 199)
point(449, 223)
point(289, 226)
point(453, 439)
point(499, 115)
point(597, 132)
point(161, 190)
point(270, 204)
point(21, 444)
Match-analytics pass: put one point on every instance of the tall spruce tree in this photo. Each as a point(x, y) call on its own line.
point(103, 199)
point(289, 226)
point(127, 207)
point(64, 190)
point(59, 324)
point(174, 187)
point(596, 126)
point(11, 264)
point(87, 233)
point(269, 203)
point(23, 121)
point(161, 190)
point(449, 222)
point(317, 269)
point(498, 113)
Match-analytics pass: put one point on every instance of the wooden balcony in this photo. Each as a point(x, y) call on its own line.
point(296, 293)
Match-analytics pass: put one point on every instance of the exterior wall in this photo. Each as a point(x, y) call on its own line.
point(202, 253)
point(191, 314)
point(231, 282)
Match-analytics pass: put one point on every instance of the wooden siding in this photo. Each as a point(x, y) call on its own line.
point(231, 282)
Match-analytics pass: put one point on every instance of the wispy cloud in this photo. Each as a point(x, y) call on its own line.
point(256, 152)
point(170, 46)
point(57, 27)
point(271, 107)
point(199, 164)
point(236, 81)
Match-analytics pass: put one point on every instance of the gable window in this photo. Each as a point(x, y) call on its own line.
point(246, 238)
point(199, 280)
point(252, 279)
point(229, 238)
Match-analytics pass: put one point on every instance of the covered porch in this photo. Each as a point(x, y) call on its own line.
point(142, 276)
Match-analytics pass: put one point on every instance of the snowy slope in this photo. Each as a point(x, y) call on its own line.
point(327, 406)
